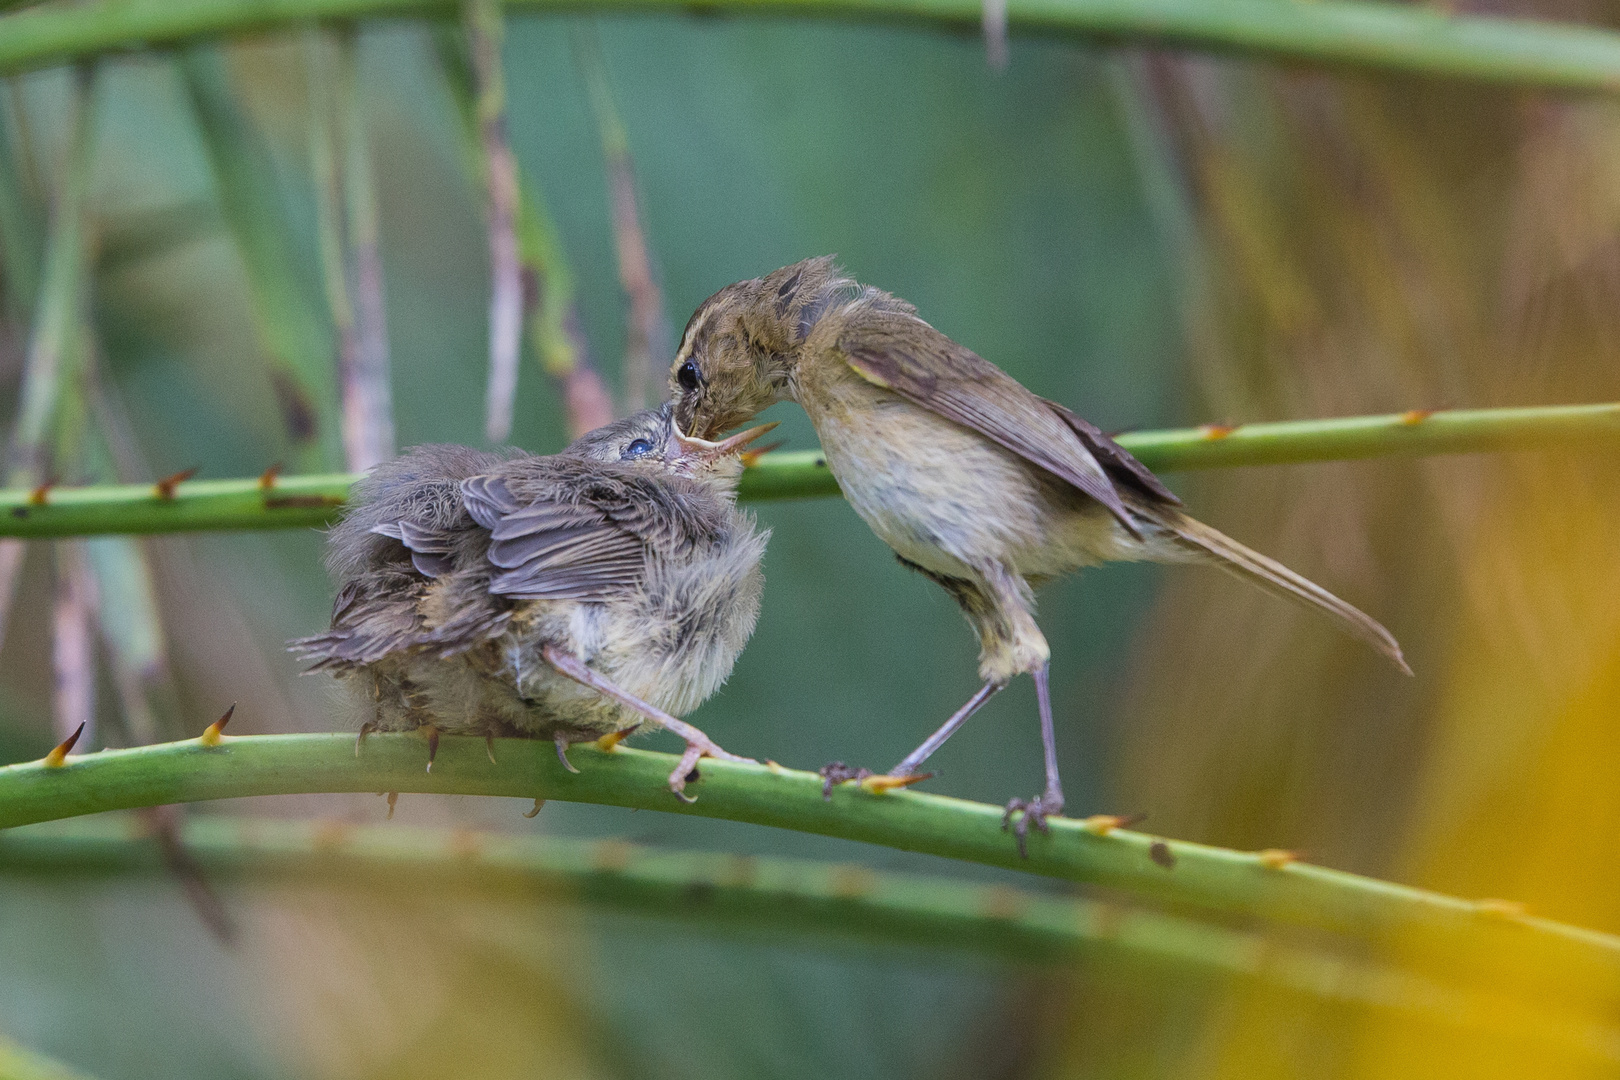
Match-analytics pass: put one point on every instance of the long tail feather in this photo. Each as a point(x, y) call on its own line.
point(1210, 545)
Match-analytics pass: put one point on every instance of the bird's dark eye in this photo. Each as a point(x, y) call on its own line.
point(638, 448)
point(688, 376)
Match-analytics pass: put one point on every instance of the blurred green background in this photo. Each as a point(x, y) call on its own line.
point(1150, 239)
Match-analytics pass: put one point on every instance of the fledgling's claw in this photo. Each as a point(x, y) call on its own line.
point(562, 751)
point(1033, 811)
point(835, 773)
point(360, 740)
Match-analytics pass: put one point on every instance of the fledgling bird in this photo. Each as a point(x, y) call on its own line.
point(603, 589)
point(972, 479)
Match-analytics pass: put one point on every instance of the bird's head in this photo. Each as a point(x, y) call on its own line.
point(742, 345)
point(650, 441)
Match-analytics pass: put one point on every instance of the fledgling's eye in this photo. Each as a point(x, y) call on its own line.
point(639, 448)
point(688, 376)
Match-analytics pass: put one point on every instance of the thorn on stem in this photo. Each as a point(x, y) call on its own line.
point(39, 496)
point(393, 797)
point(58, 757)
point(880, 785)
point(610, 742)
point(267, 479)
point(1103, 824)
point(164, 488)
point(751, 457)
point(1412, 417)
point(1217, 431)
point(213, 732)
point(1276, 858)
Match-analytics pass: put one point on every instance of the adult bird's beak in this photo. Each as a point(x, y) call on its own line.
point(702, 451)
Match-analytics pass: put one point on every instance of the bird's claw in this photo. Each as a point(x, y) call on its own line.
point(687, 771)
point(837, 773)
point(1032, 811)
point(563, 743)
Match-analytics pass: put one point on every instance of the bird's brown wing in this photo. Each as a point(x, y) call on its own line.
point(375, 614)
point(910, 358)
point(1117, 461)
point(553, 548)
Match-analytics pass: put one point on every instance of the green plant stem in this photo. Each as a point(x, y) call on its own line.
point(311, 501)
point(1382, 36)
point(735, 890)
point(1194, 876)
point(767, 897)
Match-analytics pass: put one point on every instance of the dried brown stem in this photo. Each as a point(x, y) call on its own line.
point(485, 31)
point(646, 329)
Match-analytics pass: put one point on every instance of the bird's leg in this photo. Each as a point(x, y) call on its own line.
point(1050, 801)
point(946, 730)
point(698, 745)
point(360, 740)
point(906, 773)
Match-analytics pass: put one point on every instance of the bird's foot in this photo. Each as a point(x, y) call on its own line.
point(1031, 812)
point(838, 773)
point(687, 770)
point(360, 740)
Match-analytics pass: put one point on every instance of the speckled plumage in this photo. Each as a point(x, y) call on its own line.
point(458, 566)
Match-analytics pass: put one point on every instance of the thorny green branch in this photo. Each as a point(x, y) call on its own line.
point(769, 897)
point(304, 501)
point(1391, 37)
point(1244, 884)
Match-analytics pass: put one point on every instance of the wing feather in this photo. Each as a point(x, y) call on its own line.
point(553, 548)
point(907, 356)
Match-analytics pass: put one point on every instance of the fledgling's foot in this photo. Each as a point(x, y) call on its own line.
point(687, 769)
point(837, 773)
point(1034, 811)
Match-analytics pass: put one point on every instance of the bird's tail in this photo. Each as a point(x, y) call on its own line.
point(1204, 544)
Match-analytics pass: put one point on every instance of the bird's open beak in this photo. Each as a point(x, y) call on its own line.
point(691, 448)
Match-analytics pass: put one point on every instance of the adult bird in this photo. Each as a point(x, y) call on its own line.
point(971, 478)
point(592, 592)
